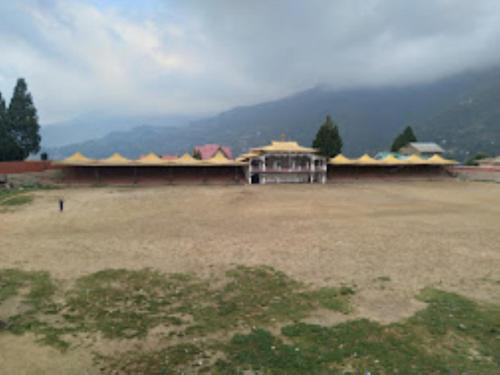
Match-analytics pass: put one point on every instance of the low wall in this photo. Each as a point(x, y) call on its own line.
point(164, 175)
point(486, 173)
point(349, 172)
point(16, 167)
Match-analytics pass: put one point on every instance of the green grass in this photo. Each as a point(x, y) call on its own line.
point(125, 304)
point(226, 328)
point(164, 361)
point(20, 195)
point(453, 335)
point(16, 200)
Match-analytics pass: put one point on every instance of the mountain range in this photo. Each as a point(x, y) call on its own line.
point(461, 112)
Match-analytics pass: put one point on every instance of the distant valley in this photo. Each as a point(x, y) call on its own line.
point(462, 113)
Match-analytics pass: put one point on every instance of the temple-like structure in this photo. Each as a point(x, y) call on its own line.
point(277, 163)
point(284, 162)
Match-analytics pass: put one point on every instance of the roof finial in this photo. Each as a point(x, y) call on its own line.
point(283, 137)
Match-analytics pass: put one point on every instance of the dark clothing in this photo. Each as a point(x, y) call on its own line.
point(61, 205)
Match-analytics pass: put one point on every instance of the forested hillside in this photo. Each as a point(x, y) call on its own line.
point(461, 112)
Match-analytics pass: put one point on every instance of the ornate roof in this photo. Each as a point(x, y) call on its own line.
point(284, 147)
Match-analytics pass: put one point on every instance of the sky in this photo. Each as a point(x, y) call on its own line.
point(155, 57)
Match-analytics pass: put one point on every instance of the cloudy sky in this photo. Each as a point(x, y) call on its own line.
point(198, 57)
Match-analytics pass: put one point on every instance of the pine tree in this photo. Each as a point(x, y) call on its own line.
point(22, 122)
point(8, 149)
point(328, 140)
point(407, 136)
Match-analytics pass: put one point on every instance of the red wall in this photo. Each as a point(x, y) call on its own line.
point(11, 167)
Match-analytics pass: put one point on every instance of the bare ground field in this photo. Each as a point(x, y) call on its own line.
point(387, 239)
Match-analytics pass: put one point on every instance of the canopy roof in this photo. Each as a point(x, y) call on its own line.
point(151, 158)
point(415, 159)
point(439, 160)
point(78, 158)
point(284, 147)
point(341, 160)
point(366, 159)
point(115, 159)
point(186, 159)
point(219, 158)
point(392, 160)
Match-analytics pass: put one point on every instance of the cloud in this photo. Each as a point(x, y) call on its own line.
point(198, 57)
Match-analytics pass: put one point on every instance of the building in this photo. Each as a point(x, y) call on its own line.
point(279, 162)
point(489, 162)
point(423, 149)
point(284, 162)
point(208, 151)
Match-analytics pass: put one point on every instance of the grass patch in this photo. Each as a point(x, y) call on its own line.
point(261, 296)
point(453, 335)
point(337, 299)
point(36, 291)
point(16, 200)
point(171, 360)
point(125, 304)
point(20, 195)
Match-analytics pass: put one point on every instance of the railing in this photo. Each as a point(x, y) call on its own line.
point(288, 170)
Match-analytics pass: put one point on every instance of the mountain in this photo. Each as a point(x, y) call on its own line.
point(96, 125)
point(470, 125)
point(459, 111)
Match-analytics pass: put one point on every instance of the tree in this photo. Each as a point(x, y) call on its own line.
point(22, 122)
point(328, 140)
point(407, 136)
point(8, 148)
point(196, 154)
point(475, 159)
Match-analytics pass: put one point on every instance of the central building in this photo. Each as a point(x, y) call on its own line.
point(284, 162)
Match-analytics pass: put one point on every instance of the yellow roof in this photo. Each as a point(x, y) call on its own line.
point(116, 159)
point(218, 158)
point(415, 159)
point(366, 160)
point(284, 146)
point(151, 158)
point(341, 160)
point(78, 158)
point(392, 160)
point(439, 160)
point(186, 159)
point(246, 156)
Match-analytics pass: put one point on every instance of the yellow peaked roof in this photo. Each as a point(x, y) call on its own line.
point(391, 160)
point(116, 158)
point(151, 159)
point(218, 158)
point(284, 146)
point(439, 160)
point(76, 158)
point(415, 159)
point(341, 160)
point(186, 159)
point(366, 160)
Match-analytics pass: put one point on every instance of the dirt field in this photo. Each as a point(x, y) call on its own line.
point(388, 239)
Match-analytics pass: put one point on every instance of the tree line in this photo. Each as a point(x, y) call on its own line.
point(329, 142)
point(19, 128)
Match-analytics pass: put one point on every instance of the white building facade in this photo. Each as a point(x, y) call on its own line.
point(285, 163)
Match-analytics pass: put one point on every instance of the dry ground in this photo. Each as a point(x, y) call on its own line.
point(389, 239)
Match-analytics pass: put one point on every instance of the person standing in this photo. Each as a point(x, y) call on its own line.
point(61, 204)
